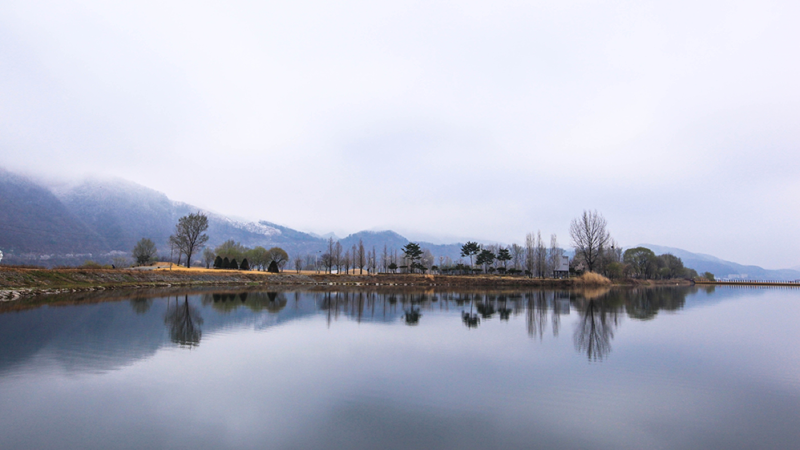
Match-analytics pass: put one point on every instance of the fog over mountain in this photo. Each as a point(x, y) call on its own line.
point(99, 219)
point(32, 219)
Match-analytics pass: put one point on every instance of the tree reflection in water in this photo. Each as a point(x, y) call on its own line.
point(470, 319)
point(600, 313)
point(273, 302)
point(595, 329)
point(541, 305)
point(412, 316)
point(141, 305)
point(184, 323)
point(485, 309)
point(599, 310)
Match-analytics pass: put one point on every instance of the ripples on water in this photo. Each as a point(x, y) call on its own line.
point(609, 368)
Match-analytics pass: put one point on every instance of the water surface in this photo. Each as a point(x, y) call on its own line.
point(631, 368)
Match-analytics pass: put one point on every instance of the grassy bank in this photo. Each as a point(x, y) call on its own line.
point(18, 282)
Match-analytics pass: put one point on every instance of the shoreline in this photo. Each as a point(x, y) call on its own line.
point(17, 283)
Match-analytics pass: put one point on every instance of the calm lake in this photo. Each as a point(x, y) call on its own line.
point(683, 368)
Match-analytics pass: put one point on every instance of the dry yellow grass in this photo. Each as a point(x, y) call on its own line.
point(197, 269)
point(166, 266)
point(593, 279)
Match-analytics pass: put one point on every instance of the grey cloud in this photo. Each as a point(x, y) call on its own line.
point(486, 119)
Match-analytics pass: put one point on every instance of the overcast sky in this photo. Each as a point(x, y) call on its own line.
point(678, 121)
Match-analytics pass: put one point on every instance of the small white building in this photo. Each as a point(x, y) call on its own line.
point(562, 269)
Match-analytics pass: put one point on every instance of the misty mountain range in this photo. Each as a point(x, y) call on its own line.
point(99, 220)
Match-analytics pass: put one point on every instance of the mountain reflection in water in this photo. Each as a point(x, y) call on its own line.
point(402, 368)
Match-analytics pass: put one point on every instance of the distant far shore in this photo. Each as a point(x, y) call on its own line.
point(17, 282)
point(751, 283)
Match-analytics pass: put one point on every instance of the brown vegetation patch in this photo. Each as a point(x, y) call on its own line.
point(593, 279)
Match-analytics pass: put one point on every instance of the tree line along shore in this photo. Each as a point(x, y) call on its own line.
point(594, 251)
point(597, 259)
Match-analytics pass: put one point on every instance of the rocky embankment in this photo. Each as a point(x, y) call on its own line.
point(16, 283)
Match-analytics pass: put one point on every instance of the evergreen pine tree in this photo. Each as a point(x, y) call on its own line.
point(245, 265)
point(218, 262)
point(226, 264)
point(234, 264)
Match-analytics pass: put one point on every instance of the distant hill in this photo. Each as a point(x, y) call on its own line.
point(723, 269)
point(124, 212)
point(105, 218)
point(375, 239)
point(394, 241)
point(101, 219)
point(326, 236)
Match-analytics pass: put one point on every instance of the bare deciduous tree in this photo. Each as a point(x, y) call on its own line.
point(530, 254)
point(518, 256)
point(373, 260)
point(346, 261)
point(361, 259)
point(589, 237)
point(310, 261)
point(189, 235)
point(337, 256)
point(428, 259)
point(327, 262)
point(541, 256)
point(555, 254)
point(120, 262)
point(331, 257)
